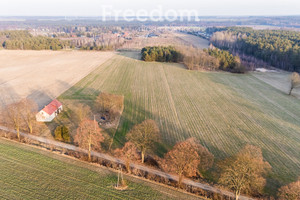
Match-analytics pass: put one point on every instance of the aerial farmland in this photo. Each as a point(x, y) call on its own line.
point(149, 107)
point(222, 110)
point(44, 75)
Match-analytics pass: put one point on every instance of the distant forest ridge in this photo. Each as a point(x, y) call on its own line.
point(19, 39)
point(24, 40)
point(279, 48)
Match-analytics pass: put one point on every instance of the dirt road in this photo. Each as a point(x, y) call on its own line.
point(119, 161)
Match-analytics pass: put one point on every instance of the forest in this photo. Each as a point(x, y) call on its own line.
point(227, 61)
point(278, 48)
point(194, 58)
point(160, 54)
point(23, 40)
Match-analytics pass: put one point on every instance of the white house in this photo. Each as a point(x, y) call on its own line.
point(49, 112)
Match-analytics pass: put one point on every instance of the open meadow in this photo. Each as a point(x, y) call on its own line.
point(192, 40)
point(224, 111)
point(43, 75)
point(281, 80)
point(166, 39)
point(31, 173)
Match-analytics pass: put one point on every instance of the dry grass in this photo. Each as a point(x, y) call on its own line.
point(166, 39)
point(280, 80)
point(192, 40)
point(43, 75)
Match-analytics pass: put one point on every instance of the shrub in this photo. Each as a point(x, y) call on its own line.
point(61, 133)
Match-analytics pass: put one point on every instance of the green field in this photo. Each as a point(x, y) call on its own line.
point(280, 80)
point(224, 111)
point(30, 173)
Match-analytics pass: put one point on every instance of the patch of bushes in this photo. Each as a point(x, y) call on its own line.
point(61, 133)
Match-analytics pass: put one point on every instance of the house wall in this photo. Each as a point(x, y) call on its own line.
point(44, 117)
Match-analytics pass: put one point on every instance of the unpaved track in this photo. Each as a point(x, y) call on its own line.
point(44, 75)
point(119, 161)
point(74, 179)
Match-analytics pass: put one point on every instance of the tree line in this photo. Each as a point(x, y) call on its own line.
point(20, 116)
point(23, 40)
point(243, 173)
point(195, 58)
point(278, 48)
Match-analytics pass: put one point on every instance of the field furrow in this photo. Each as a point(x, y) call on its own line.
point(224, 111)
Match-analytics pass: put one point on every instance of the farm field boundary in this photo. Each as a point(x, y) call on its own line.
point(63, 146)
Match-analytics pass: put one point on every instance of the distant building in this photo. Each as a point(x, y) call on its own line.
point(153, 35)
point(49, 112)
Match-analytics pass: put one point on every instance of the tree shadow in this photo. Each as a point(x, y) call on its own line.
point(8, 94)
point(167, 140)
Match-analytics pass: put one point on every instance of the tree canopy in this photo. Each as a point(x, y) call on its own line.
point(290, 191)
point(186, 158)
point(160, 54)
point(89, 136)
point(279, 48)
point(110, 104)
point(23, 40)
point(295, 81)
point(227, 61)
point(144, 136)
point(61, 133)
point(244, 173)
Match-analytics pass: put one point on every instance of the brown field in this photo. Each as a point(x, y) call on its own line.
point(192, 40)
point(44, 75)
point(175, 39)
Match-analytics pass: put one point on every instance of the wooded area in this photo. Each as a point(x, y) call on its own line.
point(278, 48)
point(194, 58)
point(23, 40)
point(160, 54)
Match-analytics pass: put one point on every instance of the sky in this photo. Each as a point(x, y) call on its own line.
point(96, 7)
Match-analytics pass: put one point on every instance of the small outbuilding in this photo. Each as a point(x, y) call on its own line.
point(49, 112)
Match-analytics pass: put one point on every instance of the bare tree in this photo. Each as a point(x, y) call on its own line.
point(129, 153)
point(29, 109)
point(206, 158)
point(295, 81)
point(110, 104)
point(290, 191)
point(183, 160)
point(89, 136)
point(144, 136)
point(82, 112)
point(14, 116)
point(245, 171)
point(194, 58)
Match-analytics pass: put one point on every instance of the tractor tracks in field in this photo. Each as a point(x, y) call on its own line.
point(170, 97)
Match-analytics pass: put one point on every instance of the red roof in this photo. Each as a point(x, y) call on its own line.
point(52, 107)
